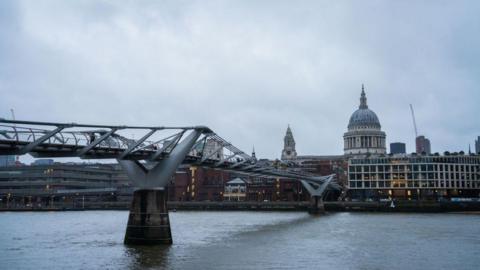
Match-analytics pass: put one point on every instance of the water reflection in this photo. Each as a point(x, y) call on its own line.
point(147, 257)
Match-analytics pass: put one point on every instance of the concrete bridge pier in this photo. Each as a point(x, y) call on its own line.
point(316, 206)
point(148, 221)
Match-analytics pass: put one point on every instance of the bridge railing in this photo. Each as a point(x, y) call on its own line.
point(161, 140)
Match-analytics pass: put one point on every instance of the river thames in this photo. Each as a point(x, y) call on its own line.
point(243, 240)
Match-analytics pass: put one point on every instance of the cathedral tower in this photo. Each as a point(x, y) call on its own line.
point(288, 152)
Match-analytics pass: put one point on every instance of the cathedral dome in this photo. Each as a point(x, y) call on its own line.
point(364, 117)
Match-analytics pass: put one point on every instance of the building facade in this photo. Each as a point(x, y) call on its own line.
point(6, 161)
point(414, 177)
point(364, 135)
point(423, 145)
point(477, 146)
point(198, 184)
point(235, 190)
point(47, 185)
point(398, 148)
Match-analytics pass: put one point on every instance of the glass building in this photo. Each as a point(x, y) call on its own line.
point(398, 148)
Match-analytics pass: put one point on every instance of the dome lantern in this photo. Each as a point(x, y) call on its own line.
point(363, 99)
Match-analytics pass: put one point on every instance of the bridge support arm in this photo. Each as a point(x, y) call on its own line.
point(316, 190)
point(148, 222)
point(42, 139)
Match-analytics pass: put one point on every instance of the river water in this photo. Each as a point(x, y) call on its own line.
point(243, 240)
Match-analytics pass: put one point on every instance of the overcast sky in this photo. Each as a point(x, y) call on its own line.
point(247, 69)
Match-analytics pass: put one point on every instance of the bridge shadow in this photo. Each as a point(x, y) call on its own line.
point(168, 257)
point(281, 225)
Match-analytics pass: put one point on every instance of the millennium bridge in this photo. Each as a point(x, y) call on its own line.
point(150, 162)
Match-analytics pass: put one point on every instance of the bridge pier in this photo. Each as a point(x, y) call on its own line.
point(316, 206)
point(148, 221)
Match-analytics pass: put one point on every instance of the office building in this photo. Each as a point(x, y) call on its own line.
point(423, 145)
point(414, 177)
point(397, 148)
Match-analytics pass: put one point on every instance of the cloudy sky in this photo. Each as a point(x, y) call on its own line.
point(247, 69)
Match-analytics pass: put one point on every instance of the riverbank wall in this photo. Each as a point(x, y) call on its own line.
point(397, 206)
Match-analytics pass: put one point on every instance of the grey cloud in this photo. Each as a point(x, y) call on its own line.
point(247, 68)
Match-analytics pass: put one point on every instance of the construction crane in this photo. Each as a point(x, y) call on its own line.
point(414, 122)
point(422, 144)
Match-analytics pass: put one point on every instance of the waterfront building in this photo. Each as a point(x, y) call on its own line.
point(43, 185)
point(423, 145)
point(414, 177)
point(72, 185)
point(289, 152)
point(364, 135)
point(6, 161)
point(477, 146)
point(398, 148)
point(235, 190)
point(198, 184)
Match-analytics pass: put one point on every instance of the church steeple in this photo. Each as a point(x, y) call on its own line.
point(289, 151)
point(288, 140)
point(363, 99)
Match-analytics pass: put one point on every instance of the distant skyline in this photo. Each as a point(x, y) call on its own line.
point(247, 69)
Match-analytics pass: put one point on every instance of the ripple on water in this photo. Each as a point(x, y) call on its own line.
point(243, 240)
